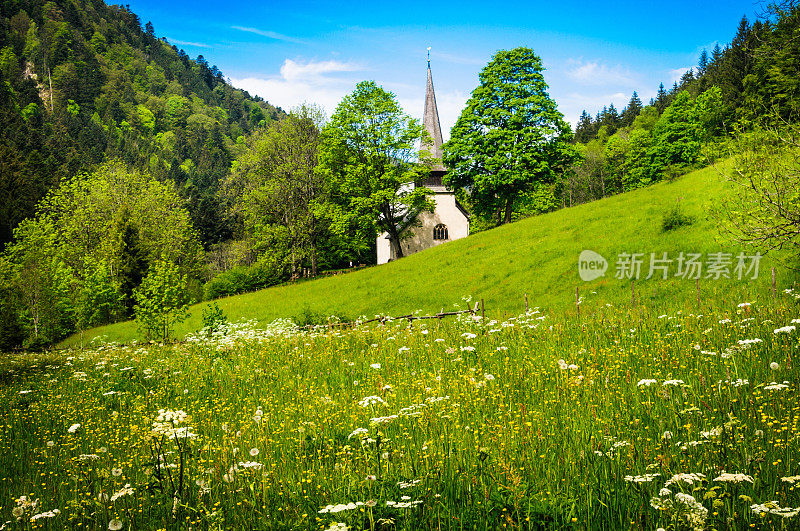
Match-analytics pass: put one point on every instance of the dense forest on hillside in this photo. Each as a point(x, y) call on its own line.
point(755, 79)
point(82, 82)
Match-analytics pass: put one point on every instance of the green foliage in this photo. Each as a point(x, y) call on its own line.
point(308, 318)
point(675, 218)
point(161, 300)
point(77, 263)
point(763, 209)
point(277, 193)
point(115, 87)
point(676, 136)
point(242, 279)
point(509, 138)
point(213, 318)
point(367, 155)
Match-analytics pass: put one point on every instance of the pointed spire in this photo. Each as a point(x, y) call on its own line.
point(430, 121)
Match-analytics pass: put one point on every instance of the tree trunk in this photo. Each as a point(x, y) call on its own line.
point(509, 208)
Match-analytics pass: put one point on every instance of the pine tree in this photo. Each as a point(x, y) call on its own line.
point(661, 99)
point(584, 131)
point(632, 110)
point(702, 64)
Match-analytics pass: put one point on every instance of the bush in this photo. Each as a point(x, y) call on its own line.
point(242, 279)
point(675, 218)
point(213, 318)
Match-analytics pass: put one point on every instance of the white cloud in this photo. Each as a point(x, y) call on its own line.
point(675, 75)
point(597, 73)
point(268, 34)
point(299, 82)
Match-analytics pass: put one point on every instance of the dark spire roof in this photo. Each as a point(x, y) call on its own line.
point(430, 121)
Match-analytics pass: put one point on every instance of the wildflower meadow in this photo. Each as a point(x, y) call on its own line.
point(621, 420)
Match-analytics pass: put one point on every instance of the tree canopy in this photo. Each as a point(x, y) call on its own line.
point(509, 138)
point(369, 158)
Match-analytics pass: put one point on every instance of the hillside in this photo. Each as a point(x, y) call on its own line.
point(537, 256)
point(82, 82)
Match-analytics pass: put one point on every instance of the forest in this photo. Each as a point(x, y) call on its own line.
point(122, 159)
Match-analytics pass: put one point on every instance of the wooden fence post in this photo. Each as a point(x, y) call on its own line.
point(526, 303)
point(483, 312)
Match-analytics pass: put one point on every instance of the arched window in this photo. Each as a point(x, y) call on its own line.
point(440, 232)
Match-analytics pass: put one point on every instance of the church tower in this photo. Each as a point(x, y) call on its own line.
point(449, 220)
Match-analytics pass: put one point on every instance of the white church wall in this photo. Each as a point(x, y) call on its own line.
point(445, 213)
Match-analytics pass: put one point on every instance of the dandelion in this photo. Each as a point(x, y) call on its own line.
point(115, 524)
point(774, 366)
point(50, 444)
point(488, 376)
point(116, 472)
point(253, 452)
point(74, 428)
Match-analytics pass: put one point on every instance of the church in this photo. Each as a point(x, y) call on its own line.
point(449, 220)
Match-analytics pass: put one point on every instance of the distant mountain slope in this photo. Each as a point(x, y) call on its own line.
point(537, 256)
point(82, 81)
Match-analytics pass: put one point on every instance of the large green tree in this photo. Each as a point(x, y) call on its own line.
point(277, 192)
point(369, 158)
point(509, 137)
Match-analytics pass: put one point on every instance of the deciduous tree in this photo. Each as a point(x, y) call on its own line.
point(509, 137)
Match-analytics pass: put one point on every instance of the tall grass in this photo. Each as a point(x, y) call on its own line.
point(542, 420)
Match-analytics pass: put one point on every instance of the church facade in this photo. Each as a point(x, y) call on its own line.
point(449, 220)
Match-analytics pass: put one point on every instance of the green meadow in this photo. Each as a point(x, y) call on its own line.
point(537, 256)
point(629, 420)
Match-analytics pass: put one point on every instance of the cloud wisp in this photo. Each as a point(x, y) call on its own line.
point(268, 34)
point(189, 43)
point(596, 73)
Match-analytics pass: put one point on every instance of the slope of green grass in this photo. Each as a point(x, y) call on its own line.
point(537, 256)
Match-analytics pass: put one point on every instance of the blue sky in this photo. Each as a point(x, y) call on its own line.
point(594, 52)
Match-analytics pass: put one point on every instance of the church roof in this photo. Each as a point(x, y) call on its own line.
point(430, 121)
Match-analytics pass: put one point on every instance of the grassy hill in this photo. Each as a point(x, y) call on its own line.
point(537, 256)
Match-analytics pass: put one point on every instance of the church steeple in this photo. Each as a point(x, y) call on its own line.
point(430, 121)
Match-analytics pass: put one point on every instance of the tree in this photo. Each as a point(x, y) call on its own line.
point(161, 300)
point(368, 156)
point(661, 98)
point(509, 137)
point(763, 210)
point(677, 134)
point(275, 184)
point(585, 129)
point(632, 110)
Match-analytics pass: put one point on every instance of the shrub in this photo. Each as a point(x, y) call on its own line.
point(675, 218)
point(213, 318)
point(241, 279)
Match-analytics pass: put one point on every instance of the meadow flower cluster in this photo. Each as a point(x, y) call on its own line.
point(675, 420)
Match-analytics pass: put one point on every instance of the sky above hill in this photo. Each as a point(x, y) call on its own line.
point(595, 53)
